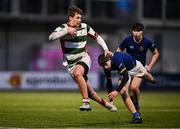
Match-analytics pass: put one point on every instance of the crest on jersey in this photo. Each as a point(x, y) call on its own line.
point(141, 48)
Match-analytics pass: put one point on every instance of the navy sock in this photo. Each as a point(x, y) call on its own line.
point(136, 115)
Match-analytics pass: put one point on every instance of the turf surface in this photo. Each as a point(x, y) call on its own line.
point(60, 110)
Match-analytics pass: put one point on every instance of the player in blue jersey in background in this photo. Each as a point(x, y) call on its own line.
point(137, 46)
point(128, 67)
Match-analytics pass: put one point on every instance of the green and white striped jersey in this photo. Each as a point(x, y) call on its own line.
point(74, 47)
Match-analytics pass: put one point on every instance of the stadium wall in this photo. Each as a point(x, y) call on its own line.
point(17, 41)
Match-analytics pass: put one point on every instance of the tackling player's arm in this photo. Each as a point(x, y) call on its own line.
point(124, 73)
point(125, 79)
point(108, 80)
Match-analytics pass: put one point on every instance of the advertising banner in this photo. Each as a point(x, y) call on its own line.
point(42, 80)
point(163, 81)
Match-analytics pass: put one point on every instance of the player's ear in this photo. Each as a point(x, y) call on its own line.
point(70, 18)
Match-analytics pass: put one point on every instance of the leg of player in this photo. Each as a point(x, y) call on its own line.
point(148, 77)
point(78, 76)
point(129, 104)
point(94, 96)
point(135, 92)
point(140, 71)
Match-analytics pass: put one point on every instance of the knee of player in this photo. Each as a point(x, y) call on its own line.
point(134, 88)
point(77, 74)
point(123, 91)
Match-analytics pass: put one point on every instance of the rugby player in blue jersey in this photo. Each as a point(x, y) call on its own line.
point(137, 46)
point(128, 67)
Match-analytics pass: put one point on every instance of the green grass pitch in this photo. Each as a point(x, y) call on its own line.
point(61, 110)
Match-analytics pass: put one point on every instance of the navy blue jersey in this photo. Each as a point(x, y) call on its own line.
point(137, 50)
point(122, 61)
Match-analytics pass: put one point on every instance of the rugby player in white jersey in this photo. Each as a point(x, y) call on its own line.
point(73, 38)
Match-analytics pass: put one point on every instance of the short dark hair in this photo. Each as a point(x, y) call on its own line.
point(138, 27)
point(102, 59)
point(73, 9)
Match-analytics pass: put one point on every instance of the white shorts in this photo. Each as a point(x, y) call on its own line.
point(85, 59)
point(138, 71)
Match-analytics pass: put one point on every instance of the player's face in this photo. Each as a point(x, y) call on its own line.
point(76, 20)
point(107, 65)
point(137, 35)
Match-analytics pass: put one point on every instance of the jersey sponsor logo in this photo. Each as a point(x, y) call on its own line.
point(132, 47)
